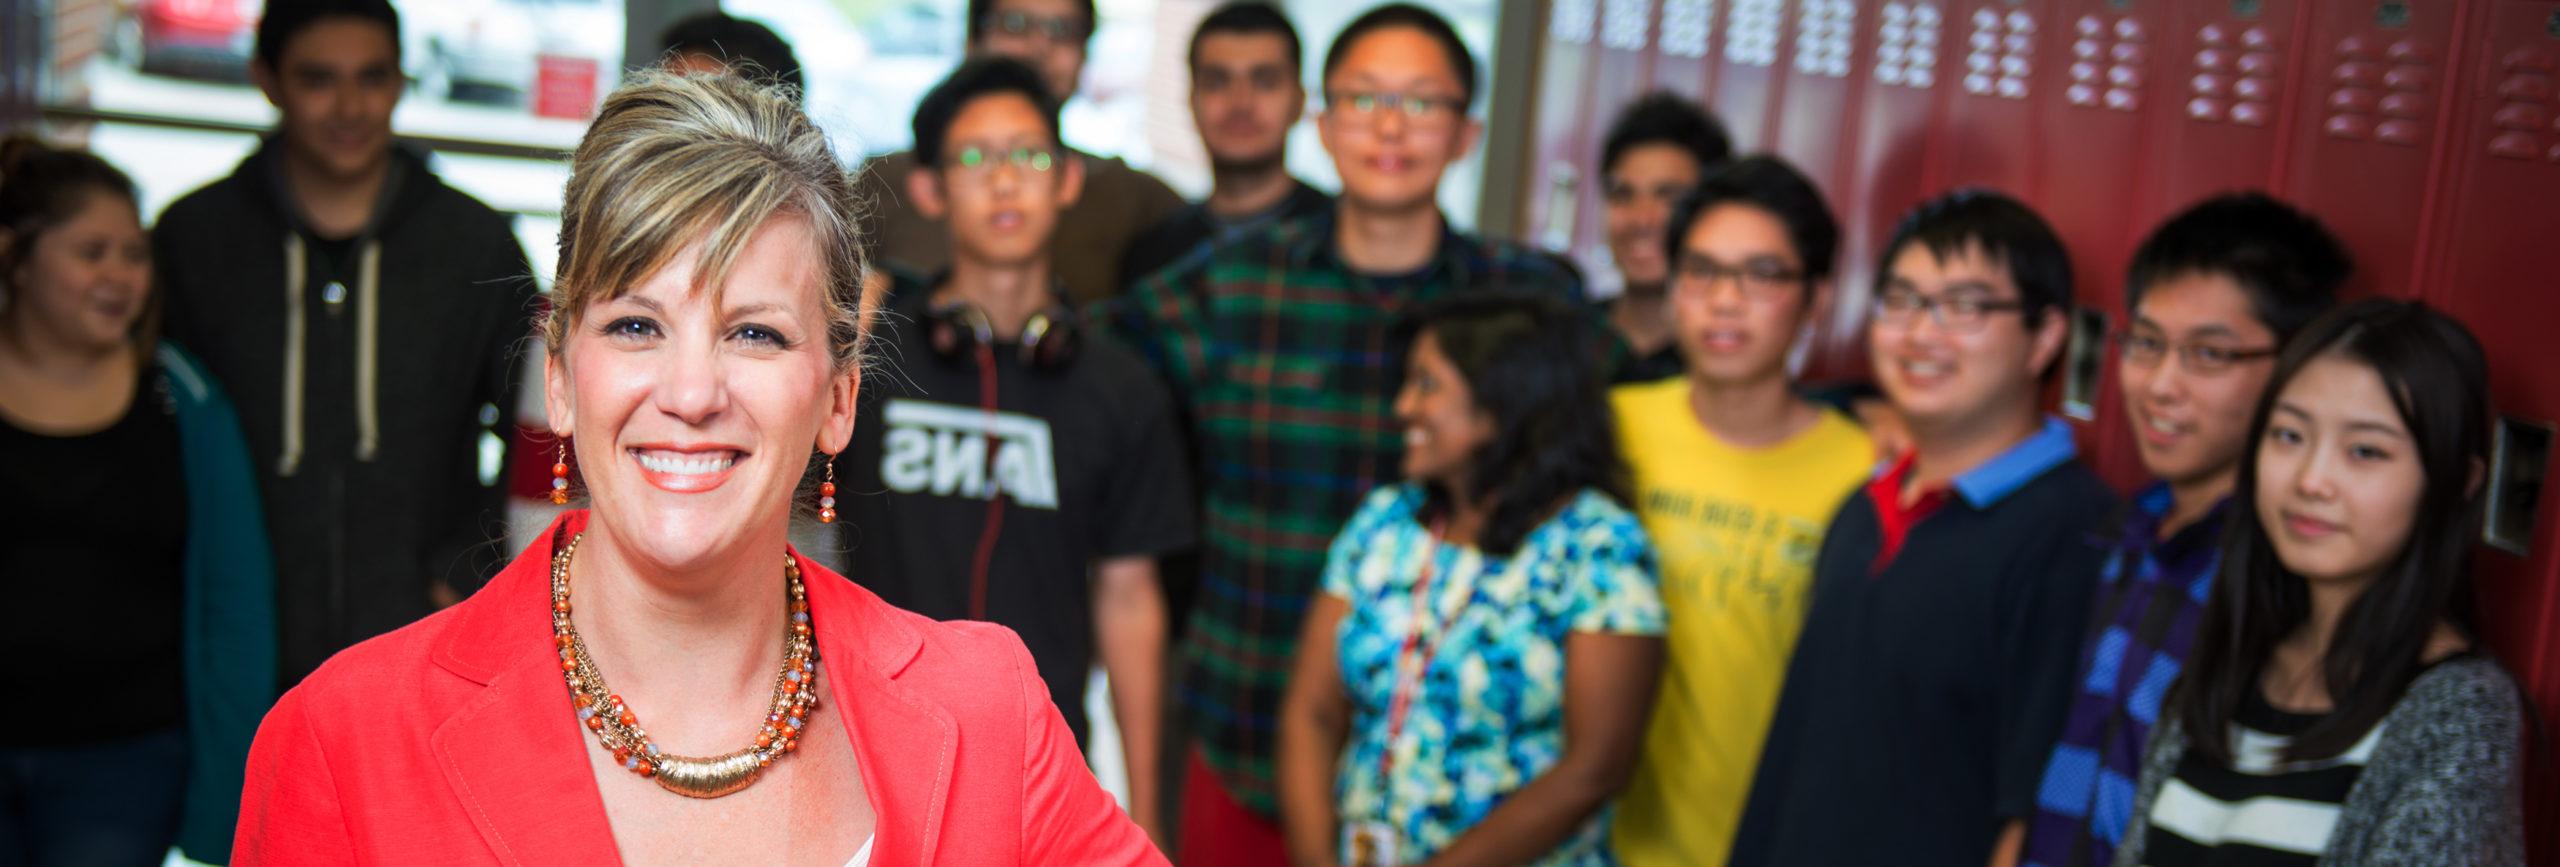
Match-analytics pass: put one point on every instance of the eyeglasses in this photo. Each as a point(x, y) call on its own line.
point(977, 162)
point(2145, 350)
point(1057, 29)
point(1368, 106)
point(1961, 314)
point(1759, 279)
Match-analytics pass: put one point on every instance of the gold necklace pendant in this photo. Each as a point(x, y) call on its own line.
point(617, 727)
point(708, 778)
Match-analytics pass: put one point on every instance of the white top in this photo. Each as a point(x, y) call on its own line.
point(862, 856)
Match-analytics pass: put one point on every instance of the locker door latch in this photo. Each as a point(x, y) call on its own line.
point(2084, 361)
point(2518, 459)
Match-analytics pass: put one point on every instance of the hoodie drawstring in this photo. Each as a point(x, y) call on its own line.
point(297, 352)
point(368, 343)
point(294, 339)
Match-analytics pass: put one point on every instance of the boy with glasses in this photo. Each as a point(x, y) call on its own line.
point(1282, 346)
point(1949, 594)
point(1245, 95)
point(1050, 36)
point(1735, 479)
point(2211, 296)
point(1016, 469)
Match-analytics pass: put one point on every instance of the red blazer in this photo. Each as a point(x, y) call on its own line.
point(451, 741)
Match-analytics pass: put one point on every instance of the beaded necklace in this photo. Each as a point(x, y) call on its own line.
point(795, 697)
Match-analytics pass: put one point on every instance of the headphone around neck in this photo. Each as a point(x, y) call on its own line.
point(958, 329)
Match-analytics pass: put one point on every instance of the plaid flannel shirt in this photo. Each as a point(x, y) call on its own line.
point(1286, 363)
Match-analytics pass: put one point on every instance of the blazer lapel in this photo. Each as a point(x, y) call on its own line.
point(903, 740)
point(513, 753)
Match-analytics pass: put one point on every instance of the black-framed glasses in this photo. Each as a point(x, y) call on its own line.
point(1054, 28)
point(2146, 349)
point(1962, 314)
point(980, 162)
point(1759, 279)
point(1420, 110)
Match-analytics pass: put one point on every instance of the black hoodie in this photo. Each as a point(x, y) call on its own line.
point(360, 367)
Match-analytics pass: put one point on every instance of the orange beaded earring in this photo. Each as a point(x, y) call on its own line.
point(827, 493)
point(560, 475)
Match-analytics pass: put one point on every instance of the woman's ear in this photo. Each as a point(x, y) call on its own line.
point(559, 402)
point(844, 391)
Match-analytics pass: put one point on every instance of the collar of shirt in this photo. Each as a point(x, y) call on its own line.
point(2184, 552)
point(1981, 487)
point(1451, 261)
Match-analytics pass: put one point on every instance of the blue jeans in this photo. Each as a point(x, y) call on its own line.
point(109, 803)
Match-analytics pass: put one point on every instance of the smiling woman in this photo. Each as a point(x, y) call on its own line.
point(705, 340)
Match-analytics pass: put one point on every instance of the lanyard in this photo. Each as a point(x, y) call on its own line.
point(1409, 677)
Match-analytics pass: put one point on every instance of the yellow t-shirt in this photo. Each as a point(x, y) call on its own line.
point(1736, 531)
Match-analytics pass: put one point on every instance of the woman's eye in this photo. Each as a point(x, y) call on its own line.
point(762, 334)
point(2367, 453)
point(631, 327)
point(2285, 435)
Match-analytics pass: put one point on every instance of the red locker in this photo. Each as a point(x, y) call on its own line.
point(2100, 101)
point(2235, 71)
point(1815, 127)
point(2367, 144)
point(1742, 79)
point(1687, 30)
point(1993, 132)
point(1619, 74)
point(1887, 127)
point(1559, 173)
point(2498, 262)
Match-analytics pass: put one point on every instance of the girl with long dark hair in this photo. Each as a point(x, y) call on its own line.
point(2339, 708)
point(1473, 682)
point(131, 541)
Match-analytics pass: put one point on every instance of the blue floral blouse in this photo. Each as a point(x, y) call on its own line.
point(1489, 715)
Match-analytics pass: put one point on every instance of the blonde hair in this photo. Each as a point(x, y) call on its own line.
point(673, 159)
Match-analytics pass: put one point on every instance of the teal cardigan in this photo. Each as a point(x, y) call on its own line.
point(230, 625)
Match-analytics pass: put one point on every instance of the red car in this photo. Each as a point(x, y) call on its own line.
point(202, 38)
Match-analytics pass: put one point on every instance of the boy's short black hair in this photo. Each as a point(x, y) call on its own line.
point(1246, 18)
point(975, 79)
point(1418, 18)
point(1770, 184)
point(2005, 229)
point(982, 10)
point(737, 42)
point(1663, 117)
point(285, 19)
point(2288, 265)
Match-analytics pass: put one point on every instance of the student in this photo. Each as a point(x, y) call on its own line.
point(365, 319)
point(1281, 347)
point(1245, 95)
point(1119, 201)
point(1017, 469)
point(132, 508)
point(2210, 297)
point(1658, 149)
point(1950, 590)
point(1472, 683)
point(719, 42)
point(1736, 477)
point(2338, 667)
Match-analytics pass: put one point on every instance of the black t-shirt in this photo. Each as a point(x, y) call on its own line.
point(93, 536)
point(1087, 466)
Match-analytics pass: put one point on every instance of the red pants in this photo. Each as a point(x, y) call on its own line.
point(1217, 831)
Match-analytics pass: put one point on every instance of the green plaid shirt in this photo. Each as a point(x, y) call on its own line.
point(1287, 364)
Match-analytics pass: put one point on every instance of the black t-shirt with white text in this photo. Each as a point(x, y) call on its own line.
point(1086, 465)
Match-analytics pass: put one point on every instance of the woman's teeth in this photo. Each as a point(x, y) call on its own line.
point(687, 466)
